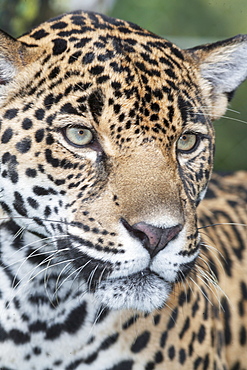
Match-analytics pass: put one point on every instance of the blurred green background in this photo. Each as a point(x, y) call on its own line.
point(185, 22)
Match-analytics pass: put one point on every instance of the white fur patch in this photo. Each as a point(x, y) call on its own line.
point(226, 68)
point(142, 292)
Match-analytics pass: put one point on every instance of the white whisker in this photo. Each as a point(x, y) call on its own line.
point(199, 288)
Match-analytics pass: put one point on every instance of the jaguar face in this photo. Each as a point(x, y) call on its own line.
point(106, 150)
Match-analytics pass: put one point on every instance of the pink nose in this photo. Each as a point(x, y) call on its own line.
point(153, 238)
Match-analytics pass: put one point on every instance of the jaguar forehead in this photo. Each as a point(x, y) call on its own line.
point(108, 57)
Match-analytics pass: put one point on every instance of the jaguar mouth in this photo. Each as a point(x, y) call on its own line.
point(144, 291)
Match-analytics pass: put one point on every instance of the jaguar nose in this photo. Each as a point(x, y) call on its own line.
point(153, 238)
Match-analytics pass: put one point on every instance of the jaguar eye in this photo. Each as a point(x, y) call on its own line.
point(187, 142)
point(77, 135)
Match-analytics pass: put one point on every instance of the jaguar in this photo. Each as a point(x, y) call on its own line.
point(109, 259)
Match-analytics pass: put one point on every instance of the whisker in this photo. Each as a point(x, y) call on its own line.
point(215, 250)
point(221, 224)
point(98, 314)
point(29, 276)
point(90, 278)
point(33, 254)
point(50, 239)
point(206, 281)
point(210, 271)
point(199, 288)
point(77, 272)
point(234, 119)
point(19, 232)
point(45, 261)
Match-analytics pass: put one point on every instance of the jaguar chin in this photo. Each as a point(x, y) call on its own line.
point(144, 291)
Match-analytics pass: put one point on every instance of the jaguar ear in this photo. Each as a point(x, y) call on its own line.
point(14, 55)
point(223, 66)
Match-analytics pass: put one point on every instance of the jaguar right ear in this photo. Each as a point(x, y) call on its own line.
point(14, 55)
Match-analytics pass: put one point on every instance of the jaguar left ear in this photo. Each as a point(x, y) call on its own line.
point(14, 55)
point(223, 67)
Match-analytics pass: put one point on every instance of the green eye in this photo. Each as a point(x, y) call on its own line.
point(187, 142)
point(78, 136)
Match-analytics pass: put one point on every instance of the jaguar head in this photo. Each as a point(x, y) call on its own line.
point(107, 147)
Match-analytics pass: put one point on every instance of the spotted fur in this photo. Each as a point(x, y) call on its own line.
point(106, 152)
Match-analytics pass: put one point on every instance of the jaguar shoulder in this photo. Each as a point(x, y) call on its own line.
point(106, 153)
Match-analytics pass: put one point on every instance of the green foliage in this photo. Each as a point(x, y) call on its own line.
point(191, 18)
point(18, 16)
point(231, 134)
point(26, 11)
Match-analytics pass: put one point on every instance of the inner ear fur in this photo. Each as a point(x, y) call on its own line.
point(222, 67)
point(14, 55)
